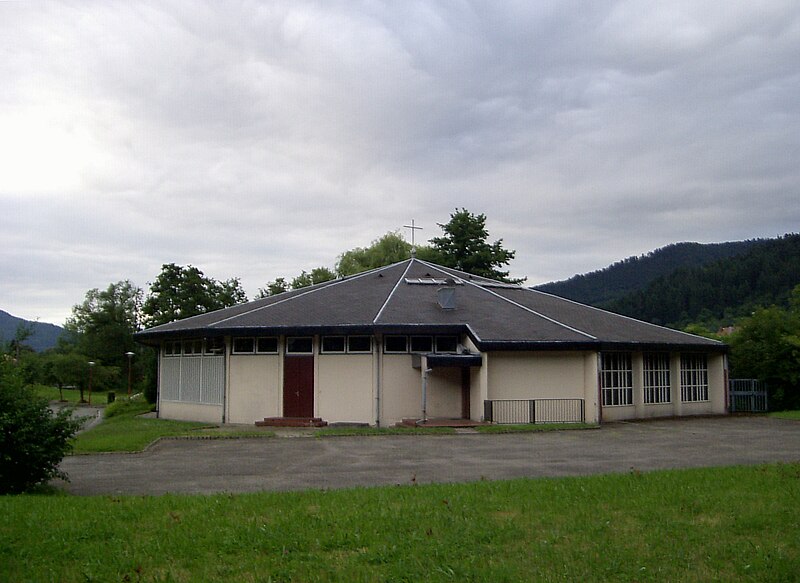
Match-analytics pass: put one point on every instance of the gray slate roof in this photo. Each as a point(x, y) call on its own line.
point(402, 299)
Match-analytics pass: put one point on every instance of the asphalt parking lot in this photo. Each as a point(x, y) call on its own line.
point(297, 463)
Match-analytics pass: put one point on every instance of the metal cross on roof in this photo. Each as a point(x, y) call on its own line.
point(414, 229)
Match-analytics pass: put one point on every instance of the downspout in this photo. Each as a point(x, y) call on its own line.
point(226, 377)
point(159, 352)
point(599, 391)
point(726, 382)
point(378, 382)
point(425, 372)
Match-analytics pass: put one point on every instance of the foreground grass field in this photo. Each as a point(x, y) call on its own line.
point(724, 524)
point(786, 414)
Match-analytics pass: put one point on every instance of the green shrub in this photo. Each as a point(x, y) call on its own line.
point(33, 439)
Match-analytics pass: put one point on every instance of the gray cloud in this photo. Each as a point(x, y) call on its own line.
point(264, 138)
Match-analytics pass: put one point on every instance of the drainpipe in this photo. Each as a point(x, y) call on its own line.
point(425, 394)
point(378, 383)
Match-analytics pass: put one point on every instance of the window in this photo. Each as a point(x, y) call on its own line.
point(421, 344)
point(333, 344)
point(359, 344)
point(192, 347)
point(267, 345)
point(172, 348)
point(244, 345)
point(395, 344)
point(447, 344)
point(656, 377)
point(214, 346)
point(694, 378)
point(299, 345)
point(616, 378)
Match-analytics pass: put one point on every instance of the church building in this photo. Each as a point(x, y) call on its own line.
point(419, 341)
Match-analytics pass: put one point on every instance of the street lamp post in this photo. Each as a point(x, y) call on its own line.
point(91, 366)
point(130, 365)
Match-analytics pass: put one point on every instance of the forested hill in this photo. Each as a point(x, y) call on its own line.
point(44, 336)
point(635, 273)
point(720, 291)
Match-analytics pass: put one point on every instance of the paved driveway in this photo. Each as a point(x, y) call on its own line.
point(247, 465)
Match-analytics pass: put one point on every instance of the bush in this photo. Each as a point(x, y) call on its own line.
point(33, 440)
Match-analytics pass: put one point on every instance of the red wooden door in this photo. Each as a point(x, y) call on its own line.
point(298, 386)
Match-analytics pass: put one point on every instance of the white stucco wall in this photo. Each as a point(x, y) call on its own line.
point(255, 388)
point(536, 375)
point(444, 393)
point(401, 389)
point(190, 412)
point(344, 388)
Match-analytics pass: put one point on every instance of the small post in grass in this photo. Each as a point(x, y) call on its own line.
point(130, 363)
point(91, 366)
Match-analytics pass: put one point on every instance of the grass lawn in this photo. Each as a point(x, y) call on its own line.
point(725, 524)
point(785, 414)
point(123, 429)
point(71, 396)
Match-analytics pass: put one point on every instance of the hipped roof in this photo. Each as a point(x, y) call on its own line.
point(402, 299)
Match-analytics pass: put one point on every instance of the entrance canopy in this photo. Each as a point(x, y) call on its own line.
point(453, 360)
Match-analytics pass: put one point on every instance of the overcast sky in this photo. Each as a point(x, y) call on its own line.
point(258, 139)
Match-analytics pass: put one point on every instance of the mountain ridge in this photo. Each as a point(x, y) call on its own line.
point(634, 273)
point(44, 335)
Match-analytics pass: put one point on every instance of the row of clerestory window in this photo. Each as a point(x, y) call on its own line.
point(354, 344)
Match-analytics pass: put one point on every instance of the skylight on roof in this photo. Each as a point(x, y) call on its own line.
point(432, 281)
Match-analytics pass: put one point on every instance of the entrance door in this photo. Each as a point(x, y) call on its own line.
point(298, 386)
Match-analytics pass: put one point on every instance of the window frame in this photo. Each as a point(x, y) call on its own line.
point(236, 351)
point(694, 379)
point(616, 379)
point(289, 340)
point(406, 343)
point(350, 350)
point(657, 380)
point(420, 336)
point(324, 350)
point(169, 348)
point(196, 347)
point(277, 345)
point(214, 346)
point(452, 337)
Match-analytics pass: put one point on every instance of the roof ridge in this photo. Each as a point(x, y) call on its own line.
point(530, 289)
point(470, 276)
point(526, 308)
point(394, 289)
point(311, 290)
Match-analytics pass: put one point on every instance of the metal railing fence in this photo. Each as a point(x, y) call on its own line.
point(747, 396)
point(510, 411)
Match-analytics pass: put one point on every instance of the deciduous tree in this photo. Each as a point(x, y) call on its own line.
point(103, 325)
point(386, 250)
point(179, 292)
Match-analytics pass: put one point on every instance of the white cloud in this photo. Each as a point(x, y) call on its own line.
point(264, 138)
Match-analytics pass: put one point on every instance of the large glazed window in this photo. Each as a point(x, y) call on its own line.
point(694, 378)
point(656, 377)
point(616, 378)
